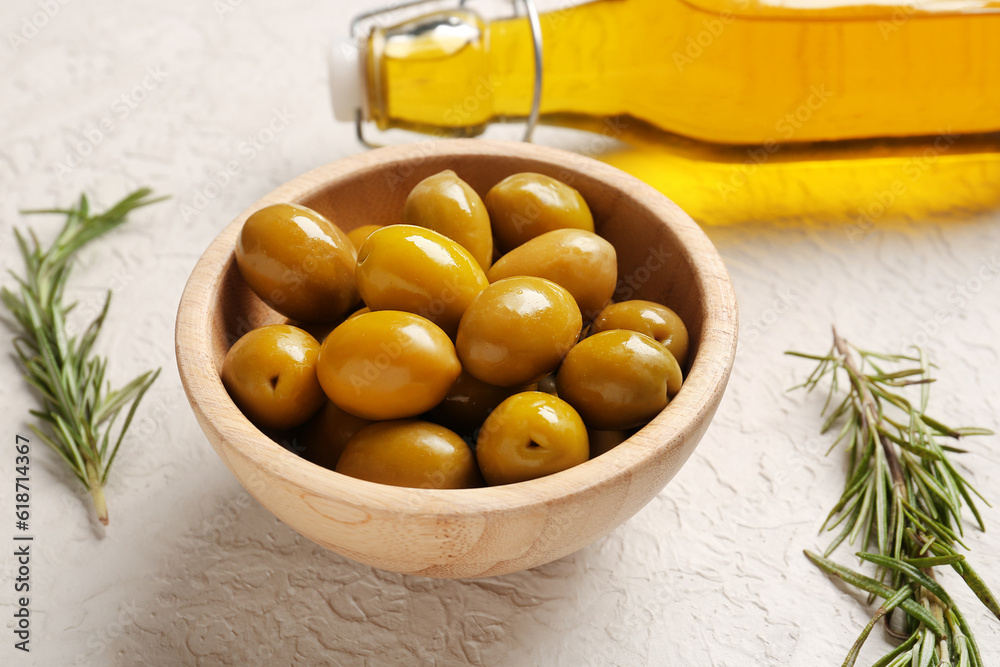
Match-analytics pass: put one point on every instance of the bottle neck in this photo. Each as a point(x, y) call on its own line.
point(452, 73)
point(432, 74)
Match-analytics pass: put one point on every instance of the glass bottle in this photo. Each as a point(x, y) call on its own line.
point(736, 109)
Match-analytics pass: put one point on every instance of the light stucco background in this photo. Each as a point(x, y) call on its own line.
point(103, 96)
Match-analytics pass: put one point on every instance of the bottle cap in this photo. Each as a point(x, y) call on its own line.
point(346, 85)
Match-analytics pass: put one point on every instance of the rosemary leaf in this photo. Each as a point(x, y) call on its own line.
point(891, 657)
point(887, 606)
point(934, 561)
point(904, 497)
point(77, 408)
point(875, 587)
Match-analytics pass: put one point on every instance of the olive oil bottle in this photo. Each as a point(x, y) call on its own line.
point(736, 109)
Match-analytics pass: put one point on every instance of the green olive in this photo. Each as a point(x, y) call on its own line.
point(359, 235)
point(517, 331)
point(297, 262)
point(404, 267)
point(616, 379)
point(270, 374)
point(527, 205)
point(324, 436)
point(674, 375)
point(387, 365)
point(581, 261)
point(410, 452)
point(468, 403)
point(648, 317)
point(529, 435)
point(447, 204)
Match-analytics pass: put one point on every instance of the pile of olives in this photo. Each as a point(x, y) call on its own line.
point(474, 341)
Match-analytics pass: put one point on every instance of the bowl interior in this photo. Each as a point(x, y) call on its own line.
point(653, 262)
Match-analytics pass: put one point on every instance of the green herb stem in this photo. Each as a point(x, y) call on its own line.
point(77, 407)
point(904, 497)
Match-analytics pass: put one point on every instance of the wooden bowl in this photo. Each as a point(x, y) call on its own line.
point(662, 256)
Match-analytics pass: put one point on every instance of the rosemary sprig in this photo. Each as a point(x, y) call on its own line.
point(78, 407)
point(902, 503)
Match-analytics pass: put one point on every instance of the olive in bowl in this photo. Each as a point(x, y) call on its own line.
point(271, 374)
point(480, 531)
point(298, 262)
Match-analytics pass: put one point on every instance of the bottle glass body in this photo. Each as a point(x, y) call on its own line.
point(730, 103)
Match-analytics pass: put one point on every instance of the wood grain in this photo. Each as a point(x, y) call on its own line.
point(663, 256)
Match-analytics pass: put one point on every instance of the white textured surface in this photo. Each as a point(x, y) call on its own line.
point(192, 571)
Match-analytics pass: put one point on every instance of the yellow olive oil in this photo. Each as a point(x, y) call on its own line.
point(736, 109)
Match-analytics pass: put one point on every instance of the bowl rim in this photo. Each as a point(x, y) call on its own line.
point(222, 422)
